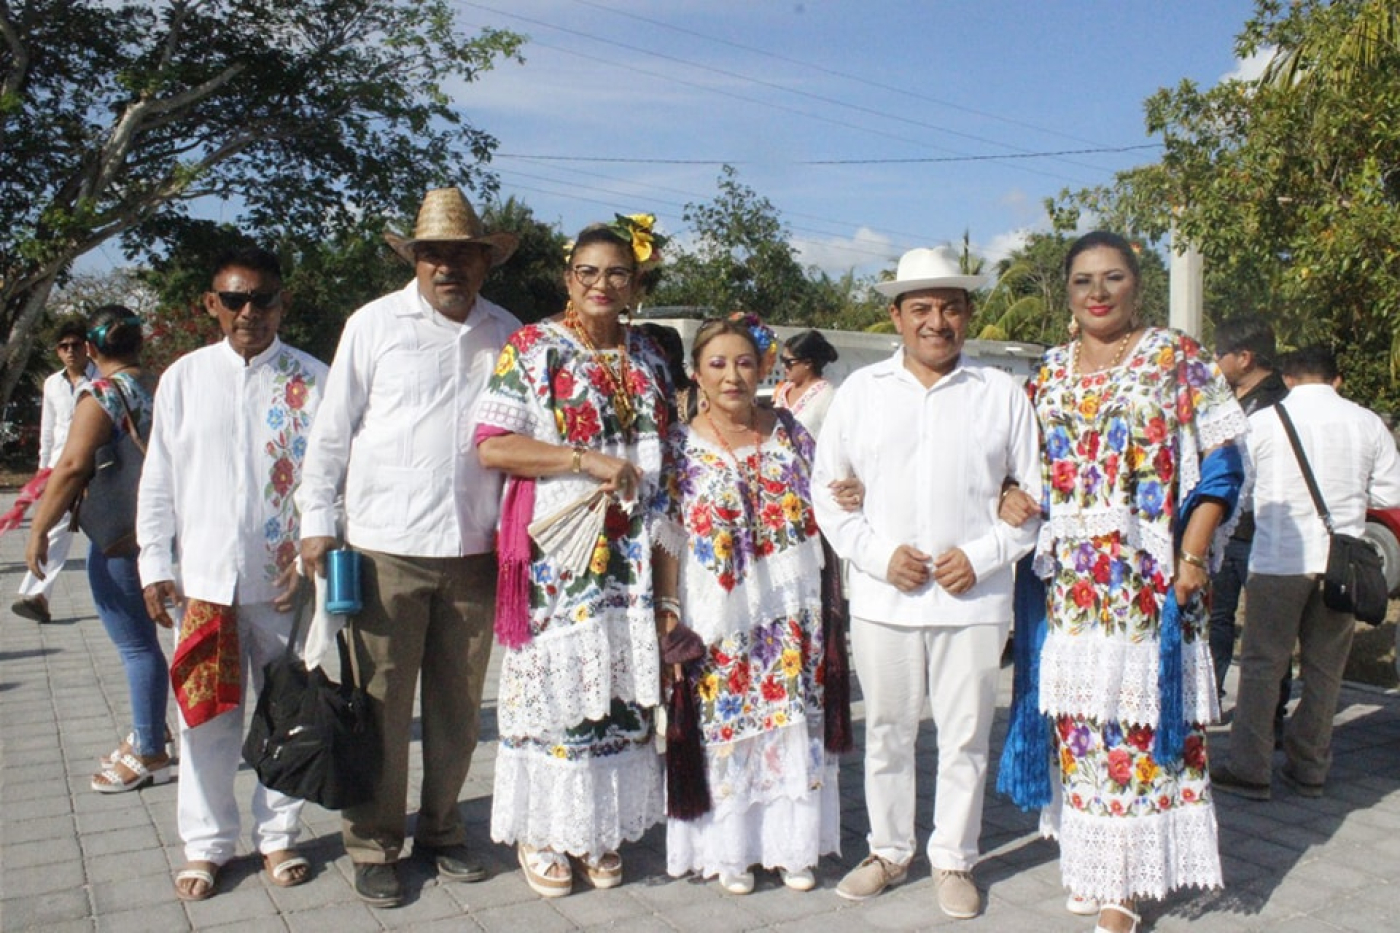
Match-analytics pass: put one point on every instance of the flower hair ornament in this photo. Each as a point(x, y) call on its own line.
point(763, 338)
point(640, 231)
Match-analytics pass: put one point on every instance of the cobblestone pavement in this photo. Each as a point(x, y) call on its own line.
point(74, 860)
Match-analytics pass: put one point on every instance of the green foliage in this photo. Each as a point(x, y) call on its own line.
point(741, 259)
point(303, 116)
point(1289, 185)
point(531, 284)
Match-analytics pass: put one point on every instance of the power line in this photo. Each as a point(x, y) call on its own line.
point(762, 103)
point(841, 74)
point(913, 160)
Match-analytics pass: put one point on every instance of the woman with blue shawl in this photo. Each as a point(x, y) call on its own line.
point(1114, 680)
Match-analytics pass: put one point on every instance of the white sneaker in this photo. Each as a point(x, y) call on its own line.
point(741, 883)
point(801, 879)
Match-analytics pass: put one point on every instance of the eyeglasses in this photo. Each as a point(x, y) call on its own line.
point(70, 345)
point(788, 361)
point(235, 301)
point(616, 277)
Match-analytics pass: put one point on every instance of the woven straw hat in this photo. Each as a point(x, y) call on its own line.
point(447, 217)
point(929, 268)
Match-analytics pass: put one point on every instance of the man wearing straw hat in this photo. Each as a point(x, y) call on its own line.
point(932, 437)
point(394, 437)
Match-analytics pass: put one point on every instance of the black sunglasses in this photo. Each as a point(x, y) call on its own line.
point(70, 345)
point(789, 361)
point(235, 301)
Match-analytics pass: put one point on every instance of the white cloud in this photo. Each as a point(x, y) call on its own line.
point(1003, 244)
point(1249, 69)
point(838, 255)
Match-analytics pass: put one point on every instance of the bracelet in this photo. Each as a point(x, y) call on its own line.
point(579, 451)
point(1194, 560)
point(668, 604)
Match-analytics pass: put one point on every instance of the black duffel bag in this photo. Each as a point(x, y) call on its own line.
point(1355, 580)
point(311, 737)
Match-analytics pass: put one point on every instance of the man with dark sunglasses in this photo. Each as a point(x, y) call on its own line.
point(60, 395)
point(218, 533)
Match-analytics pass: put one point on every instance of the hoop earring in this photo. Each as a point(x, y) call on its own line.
point(704, 403)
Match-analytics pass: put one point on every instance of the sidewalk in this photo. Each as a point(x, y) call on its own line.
point(74, 860)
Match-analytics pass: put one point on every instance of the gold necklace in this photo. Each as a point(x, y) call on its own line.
point(1117, 356)
point(619, 381)
point(750, 469)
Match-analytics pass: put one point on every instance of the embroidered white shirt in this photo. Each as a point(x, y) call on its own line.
point(227, 444)
point(395, 431)
point(932, 461)
point(1353, 458)
point(56, 416)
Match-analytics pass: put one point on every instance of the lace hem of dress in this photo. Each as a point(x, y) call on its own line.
point(1127, 858)
point(786, 763)
point(775, 587)
point(1109, 679)
point(784, 833)
point(576, 807)
point(605, 660)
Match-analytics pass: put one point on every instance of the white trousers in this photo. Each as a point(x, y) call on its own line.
point(956, 668)
point(60, 540)
point(210, 755)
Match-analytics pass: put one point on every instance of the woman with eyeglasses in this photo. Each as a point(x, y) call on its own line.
point(577, 407)
point(118, 399)
point(803, 391)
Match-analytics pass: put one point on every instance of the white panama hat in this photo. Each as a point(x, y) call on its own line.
point(929, 268)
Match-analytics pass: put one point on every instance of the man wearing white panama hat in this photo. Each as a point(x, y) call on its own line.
point(932, 437)
point(394, 437)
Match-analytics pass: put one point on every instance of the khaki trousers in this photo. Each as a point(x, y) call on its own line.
point(1282, 610)
point(434, 616)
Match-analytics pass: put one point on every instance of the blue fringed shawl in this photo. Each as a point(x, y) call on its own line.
point(1024, 774)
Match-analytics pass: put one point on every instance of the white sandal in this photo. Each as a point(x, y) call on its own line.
point(536, 863)
point(128, 747)
point(110, 781)
point(1082, 906)
point(1136, 918)
point(603, 872)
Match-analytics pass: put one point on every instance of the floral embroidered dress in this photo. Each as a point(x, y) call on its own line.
point(750, 586)
point(1122, 449)
point(577, 771)
point(104, 391)
point(810, 406)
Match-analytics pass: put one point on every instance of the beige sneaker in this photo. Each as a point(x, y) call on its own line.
point(870, 877)
point(957, 895)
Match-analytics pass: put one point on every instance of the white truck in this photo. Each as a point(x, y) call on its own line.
point(856, 348)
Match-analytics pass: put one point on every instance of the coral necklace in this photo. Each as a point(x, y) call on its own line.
point(750, 469)
point(620, 381)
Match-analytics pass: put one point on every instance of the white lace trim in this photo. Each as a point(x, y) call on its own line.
point(1082, 524)
point(1107, 679)
point(789, 833)
point(778, 586)
point(579, 807)
point(1127, 858)
point(568, 674)
point(783, 763)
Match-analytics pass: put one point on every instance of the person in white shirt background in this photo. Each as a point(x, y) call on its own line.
point(230, 431)
point(394, 436)
point(932, 438)
point(60, 395)
point(1354, 460)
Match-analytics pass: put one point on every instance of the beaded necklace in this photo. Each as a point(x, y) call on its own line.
point(750, 469)
point(620, 381)
point(1117, 356)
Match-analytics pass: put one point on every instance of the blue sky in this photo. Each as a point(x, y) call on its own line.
point(772, 86)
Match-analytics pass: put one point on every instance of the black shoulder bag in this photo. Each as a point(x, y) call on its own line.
point(311, 737)
point(1355, 581)
point(106, 508)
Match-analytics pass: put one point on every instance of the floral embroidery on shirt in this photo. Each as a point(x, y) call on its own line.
point(289, 420)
